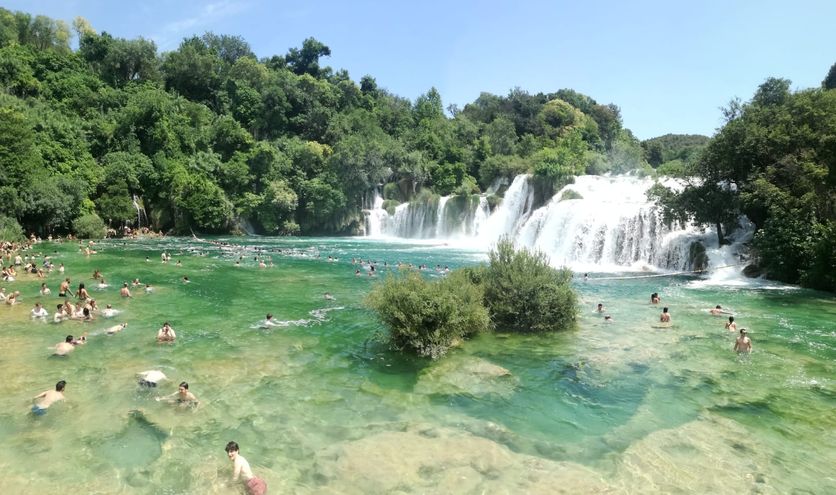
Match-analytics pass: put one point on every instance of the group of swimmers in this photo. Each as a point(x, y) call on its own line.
point(84, 311)
point(743, 344)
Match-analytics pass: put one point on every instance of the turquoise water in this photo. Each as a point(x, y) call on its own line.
point(318, 405)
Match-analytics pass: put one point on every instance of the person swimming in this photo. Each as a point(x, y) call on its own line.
point(116, 328)
point(600, 308)
point(166, 333)
point(718, 310)
point(731, 326)
point(665, 317)
point(64, 348)
point(329, 297)
point(181, 397)
point(45, 399)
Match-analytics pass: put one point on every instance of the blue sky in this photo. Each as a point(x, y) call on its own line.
point(668, 65)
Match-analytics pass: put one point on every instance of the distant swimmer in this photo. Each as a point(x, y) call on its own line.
point(64, 348)
point(151, 378)
point(64, 289)
point(665, 317)
point(148, 289)
point(102, 284)
point(718, 310)
point(116, 328)
point(109, 312)
point(186, 279)
point(125, 291)
point(82, 293)
point(731, 326)
point(58, 317)
point(600, 308)
point(743, 343)
point(166, 333)
point(329, 297)
point(45, 399)
point(39, 311)
point(269, 321)
point(608, 319)
point(241, 471)
point(182, 396)
point(11, 299)
point(654, 298)
point(45, 290)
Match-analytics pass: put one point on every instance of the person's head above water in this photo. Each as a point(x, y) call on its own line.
point(665, 309)
point(731, 319)
point(184, 385)
point(718, 307)
point(59, 387)
point(69, 339)
point(231, 447)
point(269, 316)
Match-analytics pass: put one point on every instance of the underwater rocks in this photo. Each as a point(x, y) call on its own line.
point(466, 375)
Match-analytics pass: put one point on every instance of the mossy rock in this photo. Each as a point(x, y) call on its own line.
point(389, 205)
point(752, 271)
point(570, 194)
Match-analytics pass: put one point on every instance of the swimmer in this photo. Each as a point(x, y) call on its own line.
point(3, 295)
point(39, 311)
point(743, 343)
point(82, 293)
point(125, 291)
point(64, 288)
point(718, 310)
point(731, 326)
point(608, 319)
point(61, 268)
point(329, 297)
point(241, 470)
point(665, 317)
point(166, 333)
point(81, 340)
point(654, 298)
point(269, 321)
point(186, 279)
point(148, 289)
point(116, 329)
point(45, 399)
point(102, 284)
point(58, 317)
point(356, 273)
point(11, 299)
point(45, 290)
point(585, 277)
point(136, 282)
point(64, 348)
point(600, 308)
point(181, 397)
point(151, 378)
point(109, 312)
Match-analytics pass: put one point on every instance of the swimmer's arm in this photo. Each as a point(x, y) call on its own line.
point(236, 473)
point(39, 396)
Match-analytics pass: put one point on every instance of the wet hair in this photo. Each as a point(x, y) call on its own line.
point(81, 286)
point(731, 319)
point(69, 338)
point(184, 385)
point(742, 331)
point(269, 315)
point(60, 306)
point(59, 387)
point(600, 305)
point(665, 309)
point(231, 447)
point(718, 307)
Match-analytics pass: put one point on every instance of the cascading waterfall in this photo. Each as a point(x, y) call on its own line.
point(609, 226)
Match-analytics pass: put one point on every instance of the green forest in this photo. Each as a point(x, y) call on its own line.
point(209, 138)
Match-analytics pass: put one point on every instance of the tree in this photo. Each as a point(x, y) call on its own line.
point(830, 81)
point(306, 60)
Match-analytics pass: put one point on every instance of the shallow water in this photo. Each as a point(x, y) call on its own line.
point(318, 406)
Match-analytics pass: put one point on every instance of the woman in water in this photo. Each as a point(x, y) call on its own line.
point(166, 333)
point(81, 293)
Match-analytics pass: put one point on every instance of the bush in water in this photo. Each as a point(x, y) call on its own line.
point(89, 226)
point(428, 317)
point(524, 294)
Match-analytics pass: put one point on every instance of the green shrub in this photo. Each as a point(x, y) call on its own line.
point(89, 226)
point(428, 317)
point(570, 194)
point(10, 230)
point(467, 187)
point(389, 205)
point(524, 294)
point(392, 191)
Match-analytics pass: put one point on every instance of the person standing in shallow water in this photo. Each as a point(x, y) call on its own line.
point(241, 470)
point(731, 326)
point(743, 344)
point(665, 317)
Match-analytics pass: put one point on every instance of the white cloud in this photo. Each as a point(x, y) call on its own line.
point(173, 32)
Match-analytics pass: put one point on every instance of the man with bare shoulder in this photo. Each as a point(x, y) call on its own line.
point(43, 400)
point(743, 344)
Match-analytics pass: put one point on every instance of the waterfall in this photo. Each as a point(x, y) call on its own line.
point(140, 211)
point(375, 215)
point(610, 226)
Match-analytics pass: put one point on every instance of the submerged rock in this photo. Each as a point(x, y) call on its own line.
point(466, 375)
point(444, 460)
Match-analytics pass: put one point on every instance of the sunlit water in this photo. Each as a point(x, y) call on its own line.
point(319, 406)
